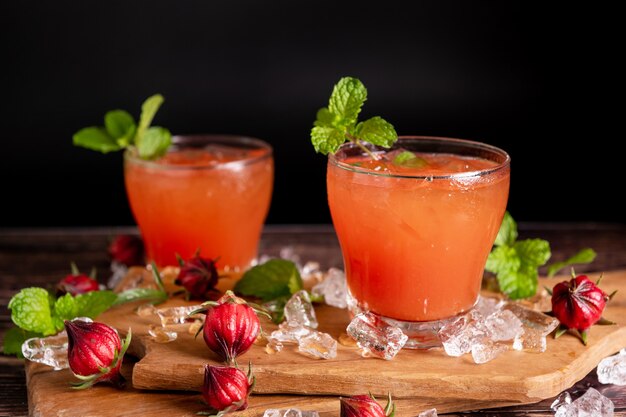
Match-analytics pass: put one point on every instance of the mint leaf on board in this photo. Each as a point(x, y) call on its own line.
point(92, 304)
point(516, 263)
point(95, 138)
point(338, 122)
point(274, 279)
point(65, 308)
point(508, 231)
point(409, 159)
point(121, 126)
point(14, 338)
point(30, 310)
point(584, 256)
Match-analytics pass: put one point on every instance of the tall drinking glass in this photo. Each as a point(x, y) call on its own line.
point(209, 193)
point(416, 226)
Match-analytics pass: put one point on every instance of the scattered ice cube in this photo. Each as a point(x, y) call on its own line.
point(118, 272)
point(51, 350)
point(334, 288)
point(459, 336)
point(177, 315)
point(299, 309)
point(375, 336)
point(290, 332)
point(530, 340)
point(612, 370)
point(503, 325)
point(146, 310)
point(488, 305)
point(162, 334)
point(591, 404)
point(273, 346)
point(487, 351)
point(564, 398)
point(318, 345)
point(533, 319)
point(289, 412)
point(429, 413)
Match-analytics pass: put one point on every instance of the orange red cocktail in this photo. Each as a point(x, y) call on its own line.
point(415, 237)
point(208, 193)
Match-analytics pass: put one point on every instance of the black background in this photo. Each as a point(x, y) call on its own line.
point(543, 83)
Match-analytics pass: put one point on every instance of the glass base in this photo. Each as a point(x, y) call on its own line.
point(422, 334)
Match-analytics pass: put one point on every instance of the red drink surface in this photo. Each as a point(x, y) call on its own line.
point(214, 200)
point(415, 248)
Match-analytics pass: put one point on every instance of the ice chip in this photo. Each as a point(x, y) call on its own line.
point(458, 336)
point(591, 404)
point(532, 319)
point(162, 334)
point(177, 315)
point(612, 370)
point(488, 306)
point(273, 346)
point(503, 325)
point(564, 398)
point(530, 340)
point(290, 332)
point(318, 345)
point(146, 310)
point(487, 351)
point(375, 336)
point(51, 350)
point(289, 412)
point(429, 413)
point(334, 288)
point(118, 272)
point(299, 309)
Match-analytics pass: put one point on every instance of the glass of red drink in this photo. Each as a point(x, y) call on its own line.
point(415, 236)
point(209, 193)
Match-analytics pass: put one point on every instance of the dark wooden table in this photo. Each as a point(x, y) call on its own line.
point(41, 257)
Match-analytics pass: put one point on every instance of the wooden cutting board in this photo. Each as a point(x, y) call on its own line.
point(418, 379)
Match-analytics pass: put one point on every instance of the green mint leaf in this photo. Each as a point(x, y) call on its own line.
point(121, 126)
point(92, 304)
point(326, 139)
point(65, 308)
point(584, 256)
point(519, 284)
point(13, 340)
point(274, 279)
point(324, 118)
point(346, 101)
point(149, 295)
point(148, 110)
point(503, 259)
point(95, 138)
point(533, 252)
point(410, 160)
point(30, 310)
point(377, 131)
point(508, 231)
point(154, 143)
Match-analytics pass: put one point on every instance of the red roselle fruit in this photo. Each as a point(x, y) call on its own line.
point(197, 275)
point(95, 352)
point(127, 250)
point(77, 284)
point(227, 388)
point(578, 304)
point(365, 406)
point(231, 326)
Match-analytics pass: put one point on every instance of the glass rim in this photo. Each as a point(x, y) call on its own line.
point(468, 144)
point(179, 141)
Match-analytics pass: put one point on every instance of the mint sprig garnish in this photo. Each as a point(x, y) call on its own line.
point(410, 160)
point(337, 123)
point(516, 263)
point(120, 131)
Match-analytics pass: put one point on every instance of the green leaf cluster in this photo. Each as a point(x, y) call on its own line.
point(339, 121)
point(273, 282)
point(516, 263)
point(120, 131)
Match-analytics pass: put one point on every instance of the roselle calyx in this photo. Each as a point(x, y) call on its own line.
point(78, 283)
point(231, 326)
point(198, 276)
point(95, 353)
point(127, 250)
point(227, 388)
point(578, 304)
point(365, 406)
